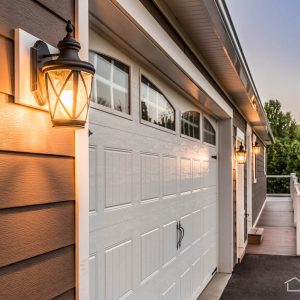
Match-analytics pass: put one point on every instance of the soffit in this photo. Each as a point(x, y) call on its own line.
point(202, 23)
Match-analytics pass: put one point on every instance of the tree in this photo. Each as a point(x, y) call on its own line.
point(282, 124)
point(283, 157)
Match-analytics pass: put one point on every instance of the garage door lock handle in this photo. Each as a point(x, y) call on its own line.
point(179, 235)
point(182, 233)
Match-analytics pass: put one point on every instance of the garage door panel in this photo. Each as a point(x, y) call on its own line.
point(150, 254)
point(197, 175)
point(187, 223)
point(197, 217)
point(118, 165)
point(150, 176)
point(169, 166)
point(170, 293)
point(93, 270)
point(118, 270)
point(169, 242)
point(93, 178)
point(185, 175)
point(186, 285)
point(197, 276)
point(143, 181)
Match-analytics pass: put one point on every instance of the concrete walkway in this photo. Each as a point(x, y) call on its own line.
point(277, 219)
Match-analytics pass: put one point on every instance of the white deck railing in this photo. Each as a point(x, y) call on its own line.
point(295, 195)
point(280, 177)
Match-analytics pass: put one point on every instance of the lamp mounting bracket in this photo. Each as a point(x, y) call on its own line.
point(39, 54)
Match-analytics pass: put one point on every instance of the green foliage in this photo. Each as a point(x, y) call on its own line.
point(283, 157)
point(282, 124)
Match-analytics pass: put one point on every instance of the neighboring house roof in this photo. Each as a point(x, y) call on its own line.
point(207, 28)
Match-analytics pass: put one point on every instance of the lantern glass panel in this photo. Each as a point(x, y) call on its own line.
point(241, 157)
point(68, 95)
point(256, 149)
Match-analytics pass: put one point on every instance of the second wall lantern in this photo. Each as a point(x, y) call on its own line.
point(241, 155)
point(256, 148)
point(65, 82)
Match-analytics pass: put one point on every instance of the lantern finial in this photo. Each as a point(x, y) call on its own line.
point(69, 29)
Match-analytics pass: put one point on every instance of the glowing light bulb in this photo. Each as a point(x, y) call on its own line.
point(67, 100)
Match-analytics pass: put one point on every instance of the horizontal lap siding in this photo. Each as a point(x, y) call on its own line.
point(29, 179)
point(42, 277)
point(31, 231)
point(37, 188)
point(259, 189)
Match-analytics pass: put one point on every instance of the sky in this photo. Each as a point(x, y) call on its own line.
point(269, 32)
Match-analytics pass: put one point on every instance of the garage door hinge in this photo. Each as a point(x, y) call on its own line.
point(214, 157)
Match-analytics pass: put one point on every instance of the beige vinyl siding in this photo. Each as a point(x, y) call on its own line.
point(37, 188)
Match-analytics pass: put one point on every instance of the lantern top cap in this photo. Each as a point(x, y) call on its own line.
point(241, 148)
point(68, 55)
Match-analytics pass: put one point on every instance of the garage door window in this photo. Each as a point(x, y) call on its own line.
point(155, 107)
point(111, 83)
point(209, 133)
point(190, 124)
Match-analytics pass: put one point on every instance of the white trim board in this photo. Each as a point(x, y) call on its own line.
point(82, 170)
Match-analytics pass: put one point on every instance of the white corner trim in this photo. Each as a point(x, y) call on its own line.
point(141, 16)
point(82, 170)
point(255, 223)
point(249, 174)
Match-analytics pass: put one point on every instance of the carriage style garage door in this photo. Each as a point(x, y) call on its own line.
point(142, 184)
point(149, 189)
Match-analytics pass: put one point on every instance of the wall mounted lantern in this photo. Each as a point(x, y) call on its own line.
point(65, 82)
point(241, 155)
point(256, 148)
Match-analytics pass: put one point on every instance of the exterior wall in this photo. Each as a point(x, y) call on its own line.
point(259, 188)
point(37, 211)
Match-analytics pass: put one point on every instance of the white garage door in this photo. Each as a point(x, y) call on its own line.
point(143, 182)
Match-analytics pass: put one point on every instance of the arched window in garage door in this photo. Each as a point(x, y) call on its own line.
point(209, 133)
point(155, 107)
point(190, 124)
point(111, 82)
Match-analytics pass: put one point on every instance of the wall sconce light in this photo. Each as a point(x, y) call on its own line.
point(256, 148)
point(241, 155)
point(65, 82)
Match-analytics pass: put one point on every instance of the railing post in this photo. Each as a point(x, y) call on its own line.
point(297, 213)
point(296, 205)
point(292, 177)
point(293, 180)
